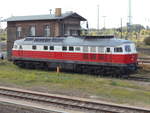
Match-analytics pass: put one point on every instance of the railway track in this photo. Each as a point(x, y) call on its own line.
point(143, 60)
point(69, 102)
point(141, 79)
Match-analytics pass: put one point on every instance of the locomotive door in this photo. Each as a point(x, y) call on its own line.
point(86, 53)
point(20, 51)
point(108, 54)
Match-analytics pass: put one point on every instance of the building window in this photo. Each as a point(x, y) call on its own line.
point(51, 47)
point(46, 30)
point(19, 29)
point(32, 31)
point(33, 47)
point(45, 48)
point(73, 32)
point(64, 48)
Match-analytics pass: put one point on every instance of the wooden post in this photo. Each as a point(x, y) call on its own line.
point(58, 70)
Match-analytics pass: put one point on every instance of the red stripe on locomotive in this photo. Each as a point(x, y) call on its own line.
point(88, 57)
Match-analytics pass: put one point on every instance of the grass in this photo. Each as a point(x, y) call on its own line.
point(113, 90)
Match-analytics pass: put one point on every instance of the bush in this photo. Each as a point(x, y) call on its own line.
point(147, 40)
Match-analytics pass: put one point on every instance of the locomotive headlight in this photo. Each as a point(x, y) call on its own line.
point(132, 58)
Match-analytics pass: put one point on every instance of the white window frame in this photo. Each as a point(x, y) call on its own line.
point(19, 30)
point(47, 30)
point(32, 30)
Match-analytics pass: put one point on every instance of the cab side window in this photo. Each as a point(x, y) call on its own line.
point(128, 48)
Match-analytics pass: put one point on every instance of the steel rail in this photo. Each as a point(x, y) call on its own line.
point(143, 60)
point(70, 103)
point(141, 79)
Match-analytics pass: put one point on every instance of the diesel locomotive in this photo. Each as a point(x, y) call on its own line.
point(101, 55)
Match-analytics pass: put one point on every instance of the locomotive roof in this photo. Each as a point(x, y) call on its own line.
point(73, 41)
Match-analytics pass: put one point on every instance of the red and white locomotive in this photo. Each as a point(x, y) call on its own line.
point(103, 55)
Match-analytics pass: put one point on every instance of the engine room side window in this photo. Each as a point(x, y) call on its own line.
point(85, 49)
point(77, 48)
point(107, 50)
point(64, 48)
point(45, 47)
point(93, 49)
point(33, 47)
point(127, 48)
point(71, 48)
point(100, 49)
point(118, 49)
point(51, 47)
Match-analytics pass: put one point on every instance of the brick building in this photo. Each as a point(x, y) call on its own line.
point(51, 25)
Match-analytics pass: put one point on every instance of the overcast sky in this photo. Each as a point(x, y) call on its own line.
point(114, 10)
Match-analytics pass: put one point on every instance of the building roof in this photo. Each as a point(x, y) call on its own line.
point(73, 41)
point(45, 17)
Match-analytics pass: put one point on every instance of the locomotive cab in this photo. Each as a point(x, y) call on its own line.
point(126, 54)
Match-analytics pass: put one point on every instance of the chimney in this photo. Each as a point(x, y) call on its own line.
point(58, 12)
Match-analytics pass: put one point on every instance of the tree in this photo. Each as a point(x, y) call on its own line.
point(147, 40)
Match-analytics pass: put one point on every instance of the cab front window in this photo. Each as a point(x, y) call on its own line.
point(128, 48)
